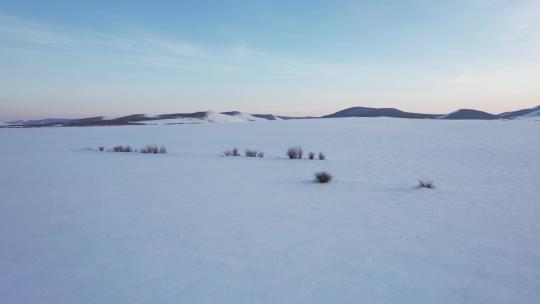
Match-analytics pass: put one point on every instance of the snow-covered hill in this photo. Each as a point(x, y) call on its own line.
point(524, 113)
point(135, 119)
point(535, 115)
point(236, 116)
point(208, 117)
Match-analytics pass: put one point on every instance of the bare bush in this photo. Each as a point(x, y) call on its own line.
point(311, 155)
point(323, 177)
point(162, 150)
point(251, 153)
point(233, 152)
point(122, 149)
point(322, 156)
point(151, 149)
point(292, 154)
point(260, 154)
point(425, 184)
point(295, 153)
point(101, 149)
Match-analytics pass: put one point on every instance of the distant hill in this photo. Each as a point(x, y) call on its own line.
point(534, 114)
point(468, 114)
point(378, 112)
point(38, 122)
point(237, 116)
point(267, 116)
point(520, 113)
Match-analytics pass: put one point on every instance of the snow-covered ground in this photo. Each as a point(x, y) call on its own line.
point(192, 226)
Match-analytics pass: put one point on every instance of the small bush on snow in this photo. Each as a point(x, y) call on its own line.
point(122, 149)
point(295, 152)
point(233, 152)
point(260, 154)
point(311, 155)
point(322, 156)
point(323, 177)
point(251, 153)
point(151, 149)
point(425, 184)
point(101, 149)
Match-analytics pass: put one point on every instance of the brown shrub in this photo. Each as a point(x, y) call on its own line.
point(122, 149)
point(233, 152)
point(251, 153)
point(295, 152)
point(425, 184)
point(323, 177)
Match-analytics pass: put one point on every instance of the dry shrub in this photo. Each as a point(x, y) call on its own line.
point(148, 149)
point(323, 177)
point(260, 154)
point(152, 149)
point(425, 184)
point(122, 149)
point(295, 152)
point(311, 155)
point(322, 156)
point(101, 149)
point(233, 152)
point(251, 153)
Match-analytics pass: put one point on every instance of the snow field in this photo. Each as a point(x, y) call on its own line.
point(193, 226)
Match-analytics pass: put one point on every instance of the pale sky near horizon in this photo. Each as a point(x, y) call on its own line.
point(88, 58)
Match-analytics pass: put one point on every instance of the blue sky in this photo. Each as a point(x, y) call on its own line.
point(84, 58)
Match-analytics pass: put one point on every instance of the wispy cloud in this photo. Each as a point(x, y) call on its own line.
point(523, 21)
point(162, 52)
point(31, 32)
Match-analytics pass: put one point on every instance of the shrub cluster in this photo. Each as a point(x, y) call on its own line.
point(323, 177)
point(295, 152)
point(247, 152)
point(233, 152)
point(298, 152)
point(121, 149)
point(151, 149)
point(251, 153)
point(292, 153)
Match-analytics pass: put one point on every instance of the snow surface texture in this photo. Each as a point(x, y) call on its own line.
point(193, 226)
